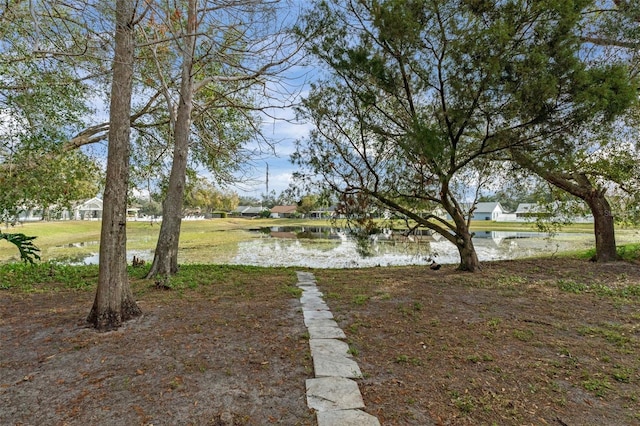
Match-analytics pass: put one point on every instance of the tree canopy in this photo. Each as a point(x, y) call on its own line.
point(420, 96)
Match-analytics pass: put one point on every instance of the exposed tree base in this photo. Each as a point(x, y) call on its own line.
point(159, 270)
point(111, 320)
point(605, 259)
point(468, 257)
point(469, 268)
point(162, 282)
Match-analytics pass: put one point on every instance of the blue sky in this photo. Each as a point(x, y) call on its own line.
point(279, 128)
point(283, 133)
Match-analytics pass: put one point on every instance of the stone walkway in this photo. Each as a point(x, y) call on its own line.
point(332, 393)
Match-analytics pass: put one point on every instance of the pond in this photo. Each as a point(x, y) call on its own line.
point(325, 247)
point(334, 248)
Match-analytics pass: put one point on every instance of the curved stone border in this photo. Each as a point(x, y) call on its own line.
point(335, 397)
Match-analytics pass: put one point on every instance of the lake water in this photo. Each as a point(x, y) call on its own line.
point(324, 247)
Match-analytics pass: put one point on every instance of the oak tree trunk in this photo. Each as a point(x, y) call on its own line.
point(114, 302)
point(165, 260)
point(579, 185)
point(603, 222)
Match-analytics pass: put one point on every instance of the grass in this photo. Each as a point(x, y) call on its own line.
point(47, 276)
point(52, 277)
point(199, 240)
point(590, 308)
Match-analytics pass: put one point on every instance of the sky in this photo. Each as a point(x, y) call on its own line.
point(280, 128)
point(283, 133)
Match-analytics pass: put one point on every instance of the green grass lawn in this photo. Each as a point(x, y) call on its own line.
point(218, 235)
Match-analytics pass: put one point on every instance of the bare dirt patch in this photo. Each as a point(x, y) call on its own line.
point(230, 354)
point(525, 342)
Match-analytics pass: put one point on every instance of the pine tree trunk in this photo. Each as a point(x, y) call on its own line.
point(165, 260)
point(468, 257)
point(603, 225)
point(463, 239)
point(114, 302)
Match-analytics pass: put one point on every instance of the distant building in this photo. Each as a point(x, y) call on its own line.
point(248, 211)
point(487, 211)
point(323, 213)
point(89, 210)
point(531, 212)
point(483, 211)
point(283, 211)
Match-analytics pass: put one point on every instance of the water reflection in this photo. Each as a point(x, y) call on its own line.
point(325, 247)
point(94, 258)
point(333, 248)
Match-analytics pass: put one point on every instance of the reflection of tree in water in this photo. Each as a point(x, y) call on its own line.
point(385, 241)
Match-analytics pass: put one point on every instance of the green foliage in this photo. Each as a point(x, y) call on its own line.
point(28, 251)
point(44, 103)
point(597, 385)
point(196, 275)
point(47, 276)
point(421, 97)
point(570, 286)
point(202, 196)
point(612, 333)
point(360, 299)
point(292, 290)
point(48, 182)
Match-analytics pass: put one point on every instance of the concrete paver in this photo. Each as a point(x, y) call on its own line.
point(335, 397)
point(328, 347)
point(316, 332)
point(333, 393)
point(311, 315)
point(346, 418)
point(336, 366)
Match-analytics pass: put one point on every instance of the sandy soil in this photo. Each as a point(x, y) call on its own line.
point(229, 357)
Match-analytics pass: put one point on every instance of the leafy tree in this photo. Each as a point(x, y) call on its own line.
point(52, 185)
point(248, 201)
point(222, 62)
point(114, 302)
point(203, 196)
point(44, 98)
point(421, 97)
point(307, 204)
point(591, 163)
point(149, 207)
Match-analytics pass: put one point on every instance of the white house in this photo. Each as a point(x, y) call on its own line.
point(531, 211)
point(89, 210)
point(487, 211)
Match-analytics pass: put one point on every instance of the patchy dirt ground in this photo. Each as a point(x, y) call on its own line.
point(232, 354)
point(545, 342)
point(539, 342)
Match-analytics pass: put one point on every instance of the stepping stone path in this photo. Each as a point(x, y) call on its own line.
point(332, 393)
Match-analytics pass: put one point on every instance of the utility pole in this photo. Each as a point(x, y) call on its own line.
point(267, 178)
